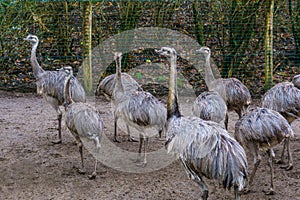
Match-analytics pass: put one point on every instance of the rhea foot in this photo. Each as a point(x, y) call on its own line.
point(269, 192)
point(56, 141)
point(288, 168)
point(116, 140)
point(92, 176)
point(131, 139)
point(81, 171)
point(141, 164)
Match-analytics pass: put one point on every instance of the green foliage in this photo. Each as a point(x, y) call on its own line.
point(232, 29)
point(138, 75)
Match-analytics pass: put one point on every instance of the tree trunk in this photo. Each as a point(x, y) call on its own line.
point(268, 44)
point(87, 46)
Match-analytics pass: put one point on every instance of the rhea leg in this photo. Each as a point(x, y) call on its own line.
point(140, 148)
point(257, 158)
point(80, 147)
point(271, 156)
point(280, 161)
point(130, 138)
point(226, 121)
point(236, 192)
point(59, 118)
point(290, 158)
point(197, 179)
point(54, 103)
point(116, 130)
point(94, 174)
point(145, 151)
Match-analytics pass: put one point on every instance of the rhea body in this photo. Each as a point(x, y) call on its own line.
point(83, 121)
point(50, 84)
point(262, 129)
point(296, 81)
point(210, 106)
point(233, 91)
point(285, 99)
point(138, 109)
point(204, 147)
point(107, 85)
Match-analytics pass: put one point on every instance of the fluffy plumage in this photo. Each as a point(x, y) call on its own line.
point(139, 109)
point(204, 147)
point(296, 81)
point(107, 85)
point(210, 106)
point(50, 84)
point(262, 129)
point(285, 99)
point(84, 122)
point(234, 92)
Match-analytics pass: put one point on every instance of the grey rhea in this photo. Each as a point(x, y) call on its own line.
point(83, 121)
point(107, 85)
point(210, 106)
point(296, 81)
point(50, 84)
point(205, 149)
point(233, 91)
point(139, 109)
point(285, 99)
point(262, 129)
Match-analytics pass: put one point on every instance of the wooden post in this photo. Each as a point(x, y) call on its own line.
point(268, 44)
point(87, 46)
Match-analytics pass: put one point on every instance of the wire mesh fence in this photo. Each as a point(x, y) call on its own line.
point(234, 30)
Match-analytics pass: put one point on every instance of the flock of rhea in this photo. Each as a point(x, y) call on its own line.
point(201, 142)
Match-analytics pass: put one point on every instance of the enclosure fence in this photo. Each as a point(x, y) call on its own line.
point(70, 32)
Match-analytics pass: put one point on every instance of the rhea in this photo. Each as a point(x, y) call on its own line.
point(50, 84)
point(107, 85)
point(83, 121)
point(234, 92)
point(138, 109)
point(210, 106)
point(296, 81)
point(262, 129)
point(285, 99)
point(205, 149)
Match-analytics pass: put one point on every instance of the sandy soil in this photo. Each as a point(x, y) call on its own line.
point(31, 167)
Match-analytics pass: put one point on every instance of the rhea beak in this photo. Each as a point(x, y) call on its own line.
point(157, 51)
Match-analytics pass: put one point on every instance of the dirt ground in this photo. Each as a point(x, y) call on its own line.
point(31, 167)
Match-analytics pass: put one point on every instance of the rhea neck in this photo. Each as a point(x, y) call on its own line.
point(209, 76)
point(119, 89)
point(67, 92)
point(37, 69)
point(172, 105)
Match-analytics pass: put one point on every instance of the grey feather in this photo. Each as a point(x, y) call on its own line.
point(234, 92)
point(204, 147)
point(107, 85)
point(50, 84)
point(296, 81)
point(83, 121)
point(210, 106)
point(262, 128)
point(139, 109)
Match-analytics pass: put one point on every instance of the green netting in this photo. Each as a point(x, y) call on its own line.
point(234, 30)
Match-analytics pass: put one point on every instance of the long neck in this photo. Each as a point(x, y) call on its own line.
point(209, 76)
point(34, 63)
point(172, 105)
point(119, 89)
point(67, 92)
